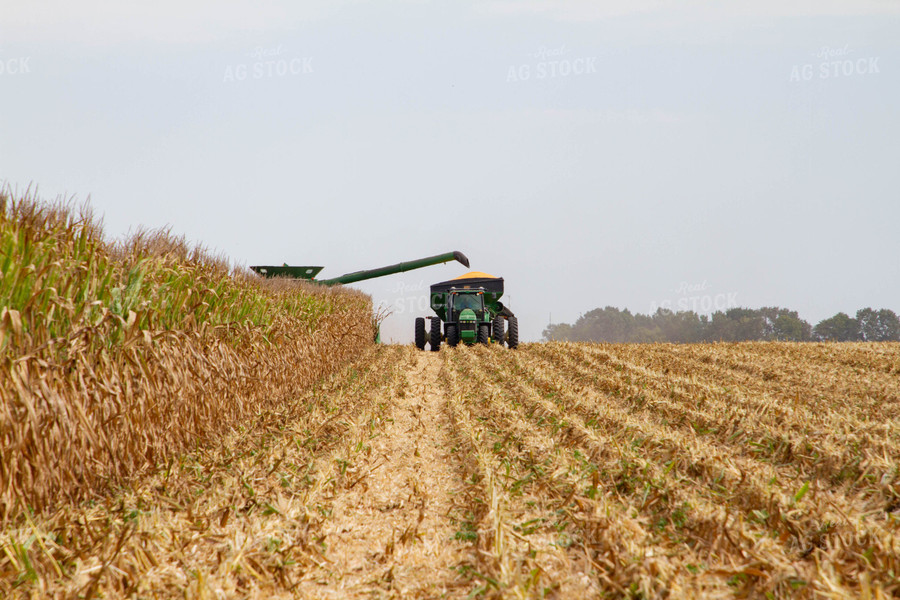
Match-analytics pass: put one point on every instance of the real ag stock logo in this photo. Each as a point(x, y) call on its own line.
point(696, 297)
point(410, 297)
point(552, 63)
point(268, 63)
point(834, 63)
point(20, 65)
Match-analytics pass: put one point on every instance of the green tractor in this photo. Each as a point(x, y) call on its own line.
point(469, 309)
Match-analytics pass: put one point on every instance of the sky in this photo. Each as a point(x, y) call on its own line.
point(641, 154)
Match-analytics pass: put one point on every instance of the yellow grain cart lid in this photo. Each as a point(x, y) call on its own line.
point(475, 275)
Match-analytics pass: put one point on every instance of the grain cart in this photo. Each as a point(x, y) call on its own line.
point(470, 310)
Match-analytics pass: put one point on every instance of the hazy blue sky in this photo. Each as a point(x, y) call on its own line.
point(700, 154)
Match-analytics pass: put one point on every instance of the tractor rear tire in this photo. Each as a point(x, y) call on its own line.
point(420, 333)
point(512, 338)
point(484, 334)
point(498, 330)
point(435, 337)
point(452, 335)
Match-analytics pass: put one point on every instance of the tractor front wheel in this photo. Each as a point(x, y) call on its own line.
point(452, 335)
point(435, 337)
point(484, 334)
point(498, 330)
point(420, 333)
point(512, 338)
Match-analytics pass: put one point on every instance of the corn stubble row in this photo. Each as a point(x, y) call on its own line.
point(246, 517)
point(722, 470)
point(115, 359)
point(751, 470)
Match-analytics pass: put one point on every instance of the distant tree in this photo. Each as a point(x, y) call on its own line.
point(839, 328)
point(784, 325)
point(878, 326)
point(718, 328)
point(681, 327)
point(793, 329)
point(749, 324)
point(645, 330)
point(615, 325)
point(604, 325)
point(867, 322)
point(735, 325)
point(557, 332)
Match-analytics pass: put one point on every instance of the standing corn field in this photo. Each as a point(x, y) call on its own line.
point(116, 358)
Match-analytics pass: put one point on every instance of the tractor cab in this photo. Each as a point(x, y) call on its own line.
point(461, 300)
point(466, 307)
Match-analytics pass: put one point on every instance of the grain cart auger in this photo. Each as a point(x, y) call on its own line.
point(470, 309)
point(309, 273)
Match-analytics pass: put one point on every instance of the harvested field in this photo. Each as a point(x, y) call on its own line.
point(558, 470)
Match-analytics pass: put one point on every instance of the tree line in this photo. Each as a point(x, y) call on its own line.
point(615, 325)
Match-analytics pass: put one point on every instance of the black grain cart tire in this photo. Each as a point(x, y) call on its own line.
point(484, 334)
point(497, 326)
point(452, 335)
point(512, 337)
point(435, 338)
point(420, 333)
